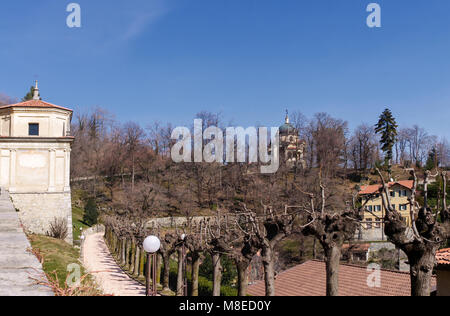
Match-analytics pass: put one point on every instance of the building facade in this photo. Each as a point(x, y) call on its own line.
point(372, 225)
point(291, 147)
point(35, 162)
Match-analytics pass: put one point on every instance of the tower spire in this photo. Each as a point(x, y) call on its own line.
point(287, 117)
point(36, 92)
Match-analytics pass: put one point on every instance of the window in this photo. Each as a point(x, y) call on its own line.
point(377, 223)
point(403, 193)
point(403, 207)
point(369, 224)
point(393, 193)
point(33, 129)
point(369, 208)
point(377, 208)
point(393, 206)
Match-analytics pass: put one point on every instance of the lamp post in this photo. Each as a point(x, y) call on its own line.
point(82, 247)
point(183, 237)
point(151, 246)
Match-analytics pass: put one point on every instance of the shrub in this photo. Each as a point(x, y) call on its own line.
point(58, 229)
point(229, 272)
point(205, 286)
point(90, 216)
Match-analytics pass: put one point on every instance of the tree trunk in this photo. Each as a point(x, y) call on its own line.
point(123, 251)
point(142, 262)
point(180, 283)
point(332, 261)
point(118, 249)
point(137, 256)
point(132, 177)
point(217, 274)
point(269, 270)
point(132, 256)
point(127, 255)
point(166, 263)
point(421, 270)
point(195, 270)
point(242, 269)
point(158, 269)
point(314, 249)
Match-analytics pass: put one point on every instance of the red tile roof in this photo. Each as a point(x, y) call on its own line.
point(34, 104)
point(356, 247)
point(370, 189)
point(309, 279)
point(443, 257)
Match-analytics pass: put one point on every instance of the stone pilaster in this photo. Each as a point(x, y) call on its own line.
point(67, 170)
point(51, 170)
point(12, 170)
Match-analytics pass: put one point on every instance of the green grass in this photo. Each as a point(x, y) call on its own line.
point(57, 255)
point(77, 222)
point(205, 286)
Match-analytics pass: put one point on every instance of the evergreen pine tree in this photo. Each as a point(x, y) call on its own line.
point(29, 95)
point(432, 161)
point(90, 216)
point(387, 128)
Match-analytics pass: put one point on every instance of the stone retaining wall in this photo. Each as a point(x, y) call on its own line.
point(171, 222)
point(37, 210)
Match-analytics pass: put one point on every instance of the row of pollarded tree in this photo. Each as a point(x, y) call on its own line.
point(242, 233)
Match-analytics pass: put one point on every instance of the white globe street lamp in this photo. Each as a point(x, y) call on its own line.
point(151, 245)
point(183, 239)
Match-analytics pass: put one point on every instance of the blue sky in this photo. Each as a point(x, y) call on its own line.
point(166, 60)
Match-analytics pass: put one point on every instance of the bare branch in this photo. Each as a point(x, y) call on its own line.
point(444, 184)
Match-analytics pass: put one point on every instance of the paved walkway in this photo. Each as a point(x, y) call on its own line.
point(109, 276)
point(17, 264)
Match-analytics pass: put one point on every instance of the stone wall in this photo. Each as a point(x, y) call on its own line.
point(38, 210)
point(373, 234)
point(171, 222)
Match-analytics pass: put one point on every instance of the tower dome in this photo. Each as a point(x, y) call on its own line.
point(287, 128)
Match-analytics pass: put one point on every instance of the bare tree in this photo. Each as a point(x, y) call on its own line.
point(326, 139)
point(421, 242)
point(133, 135)
point(264, 232)
point(362, 148)
point(331, 228)
point(5, 100)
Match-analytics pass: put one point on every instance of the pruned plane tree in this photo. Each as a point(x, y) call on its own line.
point(430, 230)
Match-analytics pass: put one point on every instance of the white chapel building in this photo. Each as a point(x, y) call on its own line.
point(35, 145)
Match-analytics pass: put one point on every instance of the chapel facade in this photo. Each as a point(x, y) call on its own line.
point(35, 146)
point(292, 148)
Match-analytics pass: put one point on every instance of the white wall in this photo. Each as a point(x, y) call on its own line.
point(52, 122)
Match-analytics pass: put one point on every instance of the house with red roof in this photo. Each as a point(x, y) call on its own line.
point(443, 272)
point(309, 279)
point(400, 192)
